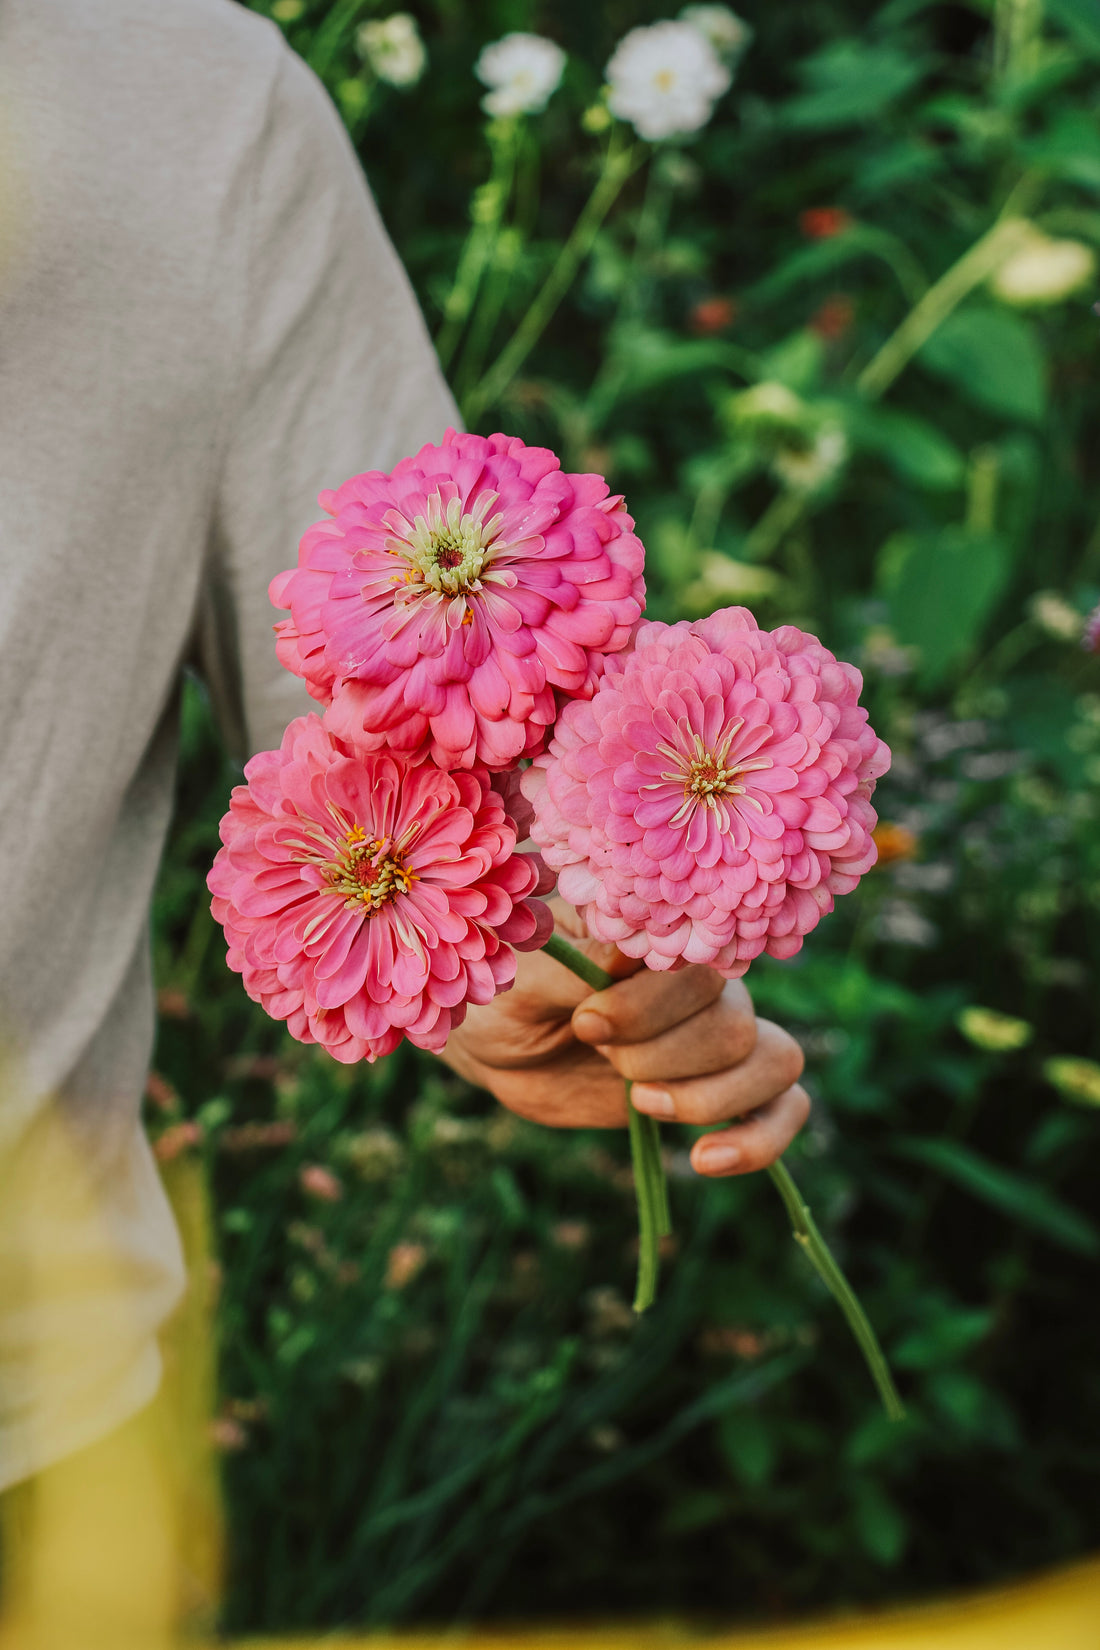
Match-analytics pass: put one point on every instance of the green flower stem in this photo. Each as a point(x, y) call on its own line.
point(618, 165)
point(982, 260)
point(653, 1212)
point(558, 947)
point(650, 1185)
point(331, 35)
point(645, 1290)
point(487, 215)
point(816, 1250)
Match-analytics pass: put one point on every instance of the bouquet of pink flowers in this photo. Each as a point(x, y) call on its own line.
point(472, 626)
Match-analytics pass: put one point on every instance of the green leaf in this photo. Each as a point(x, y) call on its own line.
point(700, 1510)
point(914, 449)
point(949, 1336)
point(940, 589)
point(850, 83)
point(880, 1524)
point(748, 1446)
point(974, 1408)
point(1081, 19)
point(809, 263)
point(1070, 148)
point(653, 357)
point(1024, 1200)
point(993, 359)
point(795, 361)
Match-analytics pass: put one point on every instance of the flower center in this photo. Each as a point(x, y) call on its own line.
point(368, 871)
point(709, 776)
point(445, 549)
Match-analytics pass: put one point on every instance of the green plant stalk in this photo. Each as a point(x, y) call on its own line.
point(982, 260)
point(617, 167)
point(817, 1251)
point(481, 240)
point(927, 315)
point(487, 311)
point(652, 1190)
point(331, 35)
point(650, 1186)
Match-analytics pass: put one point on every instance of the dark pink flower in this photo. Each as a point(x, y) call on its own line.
point(365, 899)
point(443, 604)
point(713, 796)
point(1091, 638)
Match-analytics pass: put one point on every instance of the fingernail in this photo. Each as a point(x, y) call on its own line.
point(721, 1159)
point(654, 1102)
point(592, 1027)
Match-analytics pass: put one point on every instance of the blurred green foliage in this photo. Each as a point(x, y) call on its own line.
point(797, 343)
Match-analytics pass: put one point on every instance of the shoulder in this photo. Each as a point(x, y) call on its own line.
point(154, 71)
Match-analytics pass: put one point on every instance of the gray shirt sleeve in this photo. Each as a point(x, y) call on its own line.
point(335, 375)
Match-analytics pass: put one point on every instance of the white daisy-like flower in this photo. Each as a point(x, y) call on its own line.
point(729, 34)
point(664, 79)
point(393, 48)
point(522, 72)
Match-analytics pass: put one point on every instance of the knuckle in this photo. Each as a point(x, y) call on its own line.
point(757, 1151)
point(792, 1060)
point(698, 1106)
point(706, 984)
point(740, 1029)
point(628, 1062)
point(800, 1106)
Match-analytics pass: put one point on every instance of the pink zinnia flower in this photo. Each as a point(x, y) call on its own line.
point(443, 604)
point(713, 796)
point(1090, 641)
point(365, 899)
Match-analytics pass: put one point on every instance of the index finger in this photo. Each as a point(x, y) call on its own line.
point(646, 1005)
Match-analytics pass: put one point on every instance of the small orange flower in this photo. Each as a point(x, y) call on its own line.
point(712, 315)
point(894, 842)
point(250, 1137)
point(173, 1004)
point(160, 1093)
point(179, 1138)
point(403, 1263)
point(821, 223)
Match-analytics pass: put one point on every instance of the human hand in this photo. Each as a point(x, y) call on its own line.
point(556, 1052)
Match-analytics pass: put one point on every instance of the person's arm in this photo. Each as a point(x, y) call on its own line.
point(334, 374)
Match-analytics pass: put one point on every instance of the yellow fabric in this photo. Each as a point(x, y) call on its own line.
point(1060, 1611)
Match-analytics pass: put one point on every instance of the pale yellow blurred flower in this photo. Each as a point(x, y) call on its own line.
point(1043, 270)
point(1074, 1078)
point(994, 1032)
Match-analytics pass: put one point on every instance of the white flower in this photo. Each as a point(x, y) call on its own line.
point(1052, 613)
point(1044, 271)
point(729, 34)
point(664, 79)
point(393, 48)
point(769, 403)
point(522, 70)
point(806, 469)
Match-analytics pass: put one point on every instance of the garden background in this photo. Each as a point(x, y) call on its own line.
point(838, 350)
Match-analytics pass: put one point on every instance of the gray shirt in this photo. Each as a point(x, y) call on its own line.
point(202, 324)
